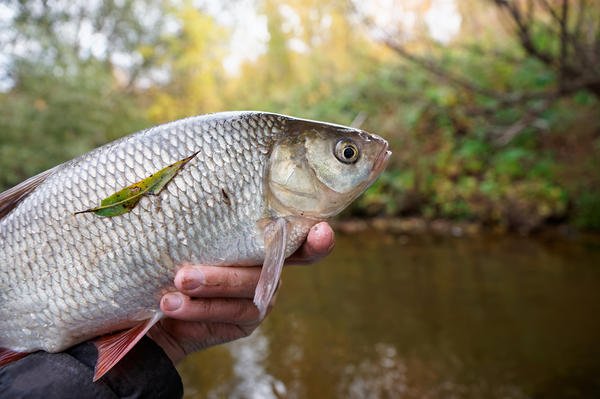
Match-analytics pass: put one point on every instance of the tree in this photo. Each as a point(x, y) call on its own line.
point(559, 42)
point(71, 68)
point(194, 66)
point(65, 35)
point(564, 35)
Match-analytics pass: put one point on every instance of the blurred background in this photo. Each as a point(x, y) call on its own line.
point(492, 110)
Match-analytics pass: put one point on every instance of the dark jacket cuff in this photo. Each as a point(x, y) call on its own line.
point(145, 372)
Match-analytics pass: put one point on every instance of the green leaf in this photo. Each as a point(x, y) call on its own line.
point(127, 198)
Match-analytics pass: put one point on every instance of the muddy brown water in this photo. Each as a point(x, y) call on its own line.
point(422, 317)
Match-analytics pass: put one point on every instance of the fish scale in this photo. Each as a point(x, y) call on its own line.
point(57, 199)
point(71, 270)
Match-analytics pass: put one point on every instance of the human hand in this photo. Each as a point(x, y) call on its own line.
point(214, 304)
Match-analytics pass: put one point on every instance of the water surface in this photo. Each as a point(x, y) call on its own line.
point(422, 317)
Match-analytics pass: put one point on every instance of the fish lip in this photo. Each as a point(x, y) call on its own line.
point(382, 159)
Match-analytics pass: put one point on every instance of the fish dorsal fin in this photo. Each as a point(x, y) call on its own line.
point(276, 234)
point(113, 347)
point(9, 356)
point(10, 198)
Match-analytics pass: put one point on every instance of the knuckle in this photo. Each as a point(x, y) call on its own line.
point(197, 310)
point(206, 309)
point(245, 311)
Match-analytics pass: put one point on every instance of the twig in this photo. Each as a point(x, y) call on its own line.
point(359, 119)
point(434, 68)
point(525, 121)
point(563, 41)
point(523, 31)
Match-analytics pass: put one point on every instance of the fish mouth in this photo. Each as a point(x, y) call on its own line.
point(382, 159)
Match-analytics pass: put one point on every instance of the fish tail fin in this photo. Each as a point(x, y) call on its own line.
point(113, 347)
point(8, 356)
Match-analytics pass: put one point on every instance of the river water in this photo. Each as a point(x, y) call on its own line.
point(422, 317)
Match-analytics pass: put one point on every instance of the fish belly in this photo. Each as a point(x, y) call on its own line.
point(67, 277)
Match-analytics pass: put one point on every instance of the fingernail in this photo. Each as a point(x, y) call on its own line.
point(172, 302)
point(192, 280)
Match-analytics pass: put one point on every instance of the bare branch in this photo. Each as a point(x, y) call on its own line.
point(439, 71)
point(530, 12)
point(581, 9)
point(359, 120)
point(573, 62)
point(563, 41)
point(552, 11)
point(498, 54)
point(527, 120)
point(523, 31)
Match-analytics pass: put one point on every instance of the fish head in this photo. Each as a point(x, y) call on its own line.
point(318, 169)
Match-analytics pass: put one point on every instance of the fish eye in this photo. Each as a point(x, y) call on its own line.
point(346, 151)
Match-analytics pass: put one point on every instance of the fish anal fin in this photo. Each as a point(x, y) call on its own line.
point(113, 347)
point(10, 198)
point(8, 356)
point(276, 233)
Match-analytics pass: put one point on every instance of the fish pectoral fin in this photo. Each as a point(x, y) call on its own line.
point(276, 233)
point(9, 356)
point(113, 347)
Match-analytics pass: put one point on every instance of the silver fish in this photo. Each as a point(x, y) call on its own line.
point(89, 247)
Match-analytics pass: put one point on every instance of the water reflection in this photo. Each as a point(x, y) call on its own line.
point(384, 376)
point(423, 317)
point(251, 378)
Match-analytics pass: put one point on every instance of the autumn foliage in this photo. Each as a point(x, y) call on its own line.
point(494, 120)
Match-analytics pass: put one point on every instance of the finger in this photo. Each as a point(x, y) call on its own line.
point(179, 338)
point(319, 243)
point(198, 336)
point(217, 281)
point(220, 310)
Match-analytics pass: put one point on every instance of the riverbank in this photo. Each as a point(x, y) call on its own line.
point(446, 227)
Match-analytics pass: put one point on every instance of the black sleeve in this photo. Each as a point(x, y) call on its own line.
point(145, 372)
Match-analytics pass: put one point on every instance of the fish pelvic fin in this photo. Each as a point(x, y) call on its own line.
point(113, 347)
point(8, 356)
point(276, 233)
point(10, 198)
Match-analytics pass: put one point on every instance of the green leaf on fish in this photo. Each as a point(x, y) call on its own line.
point(126, 199)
